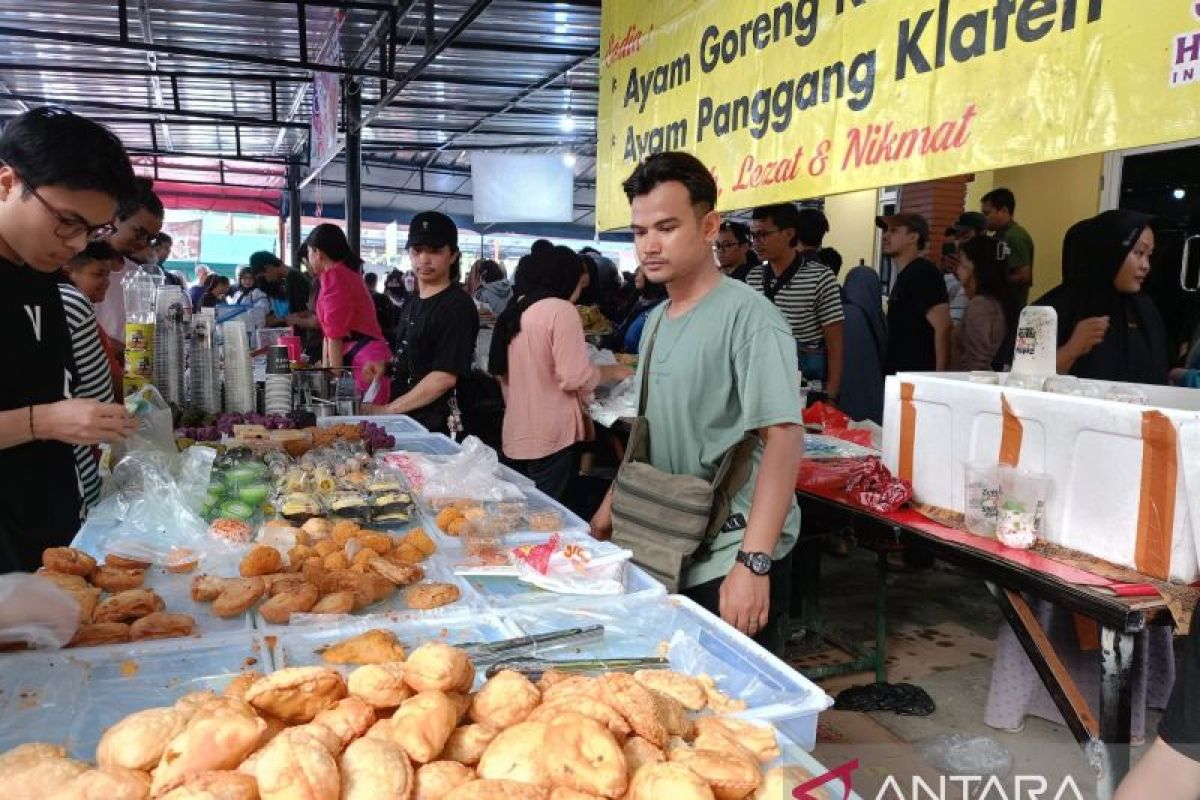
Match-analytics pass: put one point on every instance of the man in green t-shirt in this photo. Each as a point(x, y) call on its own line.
point(998, 207)
point(723, 365)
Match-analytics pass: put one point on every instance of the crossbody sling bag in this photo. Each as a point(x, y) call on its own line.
point(668, 520)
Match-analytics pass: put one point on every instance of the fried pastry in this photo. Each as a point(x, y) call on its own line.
point(192, 702)
point(260, 560)
point(218, 737)
point(672, 714)
point(376, 646)
point(114, 560)
point(550, 678)
point(336, 560)
point(658, 781)
point(238, 595)
point(435, 781)
point(351, 718)
point(598, 710)
point(563, 793)
point(128, 606)
point(636, 704)
point(105, 783)
point(497, 790)
point(718, 701)
point(462, 704)
point(419, 540)
point(297, 694)
point(440, 667)
point(373, 769)
point(683, 688)
point(572, 686)
point(297, 768)
point(327, 547)
point(406, 553)
point(32, 771)
point(95, 633)
point(68, 560)
point(423, 724)
point(86, 595)
point(280, 582)
point(505, 700)
point(343, 531)
point(375, 541)
point(318, 529)
point(467, 744)
point(517, 754)
point(216, 785)
point(759, 740)
point(206, 588)
point(334, 603)
point(137, 741)
point(279, 609)
point(238, 686)
point(580, 754)
point(380, 685)
point(117, 579)
point(318, 732)
point(638, 753)
point(399, 573)
point(299, 554)
point(731, 776)
point(425, 596)
point(161, 625)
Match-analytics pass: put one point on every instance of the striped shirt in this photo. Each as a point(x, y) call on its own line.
point(809, 301)
point(92, 377)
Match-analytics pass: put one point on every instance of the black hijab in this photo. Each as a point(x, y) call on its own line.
point(1135, 348)
point(542, 275)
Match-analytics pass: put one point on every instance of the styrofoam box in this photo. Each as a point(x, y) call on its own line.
point(1092, 448)
point(699, 643)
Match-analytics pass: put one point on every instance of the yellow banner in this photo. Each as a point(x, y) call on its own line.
point(789, 99)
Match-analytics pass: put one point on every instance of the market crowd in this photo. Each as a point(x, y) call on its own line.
point(722, 318)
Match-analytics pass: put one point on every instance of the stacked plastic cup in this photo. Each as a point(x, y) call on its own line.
point(239, 375)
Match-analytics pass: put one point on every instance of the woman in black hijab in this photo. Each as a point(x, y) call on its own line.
point(1108, 328)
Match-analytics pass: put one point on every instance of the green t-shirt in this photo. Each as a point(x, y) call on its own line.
point(1020, 253)
point(725, 368)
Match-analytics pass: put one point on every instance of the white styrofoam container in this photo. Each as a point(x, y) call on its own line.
point(1092, 448)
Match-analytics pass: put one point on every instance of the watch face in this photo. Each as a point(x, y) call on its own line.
point(759, 563)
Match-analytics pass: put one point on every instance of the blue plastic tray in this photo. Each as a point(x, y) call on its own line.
point(395, 424)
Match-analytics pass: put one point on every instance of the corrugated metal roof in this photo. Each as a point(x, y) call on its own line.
point(225, 81)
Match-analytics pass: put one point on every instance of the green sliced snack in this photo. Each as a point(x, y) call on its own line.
point(238, 510)
point(254, 494)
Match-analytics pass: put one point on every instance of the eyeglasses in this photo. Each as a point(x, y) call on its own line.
point(68, 228)
point(721, 247)
point(760, 235)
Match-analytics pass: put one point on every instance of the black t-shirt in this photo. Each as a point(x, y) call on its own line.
point(1180, 726)
point(918, 288)
point(39, 488)
point(437, 334)
point(298, 289)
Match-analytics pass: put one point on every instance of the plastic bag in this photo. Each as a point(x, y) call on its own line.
point(472, 474)
point(836, 423)
point(956, 754)
point(902, 698)
point(155, 429)
point(35, 612)
point(595, 568)
point(194, 474)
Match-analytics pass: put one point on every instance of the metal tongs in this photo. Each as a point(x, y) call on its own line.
point(489, 652)
point(534, 668)
point(514, 654)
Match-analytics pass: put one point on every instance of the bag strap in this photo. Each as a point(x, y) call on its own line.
point(771, 289)
point(645, 387)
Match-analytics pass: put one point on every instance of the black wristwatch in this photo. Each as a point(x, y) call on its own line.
point(758, 563)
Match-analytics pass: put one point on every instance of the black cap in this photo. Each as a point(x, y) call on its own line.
point(263, 259)
point(970, 222)
point(914, 222)
point(432, 229)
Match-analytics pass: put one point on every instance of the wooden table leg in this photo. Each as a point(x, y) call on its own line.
point(1119, 655)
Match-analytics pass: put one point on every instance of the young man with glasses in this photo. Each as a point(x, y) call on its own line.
point(734, 254)
point(138, 225)
point(61, 177)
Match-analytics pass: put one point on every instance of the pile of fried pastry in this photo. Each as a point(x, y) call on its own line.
point(334, 568)
point(114, 606)
point(410, 729)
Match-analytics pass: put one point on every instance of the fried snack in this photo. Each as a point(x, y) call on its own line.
point(336, 560)
point(457, 527)
point(636, 704)
point(638, 753)
point(216, 785)
point(517, 754)
point(95, 633)
point(137, 741)
point(573, 686)
point(32, 771)
point(598, 710)
point(439, 667)
point(192, 702)
point(300, 553)
point(497, 790)
point(343, 531)
point(731, 776)
point(467, 744)
point(334, 603)
point(685, 689)
point(581, 754)
point(435, 781)
point(238, 686)
point(759, 740)
point(406, 553)
point(279, 609)
point(327, 547)
point(419, 540)
point(64, 581)
point(68, 561)
point(425, 596)
point(376, 646)
point(238, 595)
point(423, 724)
point(161, 625)
point(673, 716)
point(128, 605)
point(373, 769)
point(107, 783)
point(297, 694)
point(321, 733)
point(318, 528)
point(88, 600)
point(231, 530)
point(446, 516)
point(182, 567)
point(718, 701)
point(563, 793)
point(281, 582)
point(462, 704)
point(297, 767)
point(362, 558)
point(657, 781)
point(117, 579)
point(218, 737)
point(114, 560)
point(261, 560)
point(398, 573)
point(206, 588)
point(380, 685)
point(550, 678)
point(351, 718)
point(368, 589)
point(505, 700)
point(375, 541)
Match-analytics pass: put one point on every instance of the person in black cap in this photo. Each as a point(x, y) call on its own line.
point(919, 311)
point(437, 330)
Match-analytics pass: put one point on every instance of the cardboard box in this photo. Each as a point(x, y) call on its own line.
point(1111, 461)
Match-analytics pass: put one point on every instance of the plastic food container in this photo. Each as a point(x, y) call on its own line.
point(983, 498)
point(1023, 497)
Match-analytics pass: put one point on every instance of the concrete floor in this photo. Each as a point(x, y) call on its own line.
point(942, 624)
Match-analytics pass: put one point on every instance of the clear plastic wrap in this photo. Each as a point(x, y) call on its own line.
point(155, 431)
point(472, 474)
point(35, 612)
point(567, 567)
